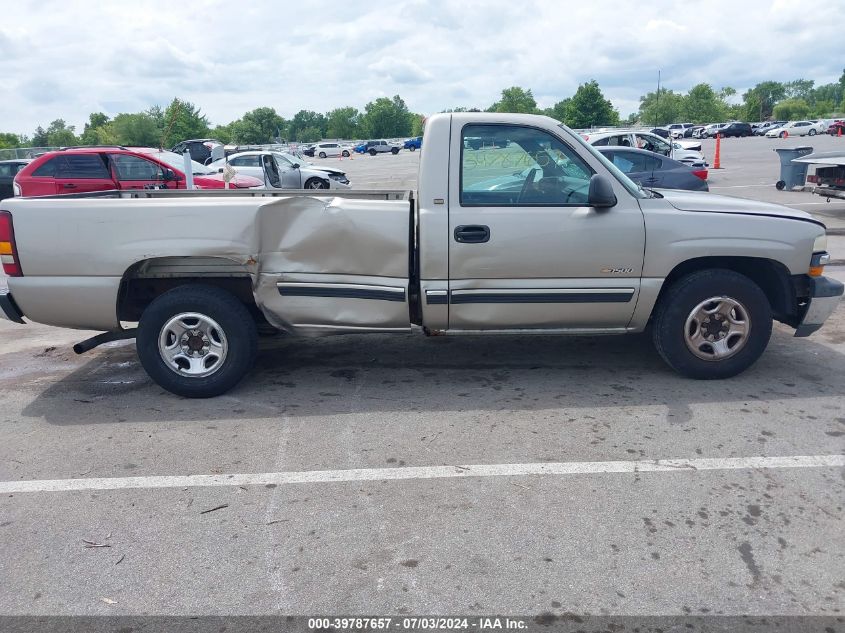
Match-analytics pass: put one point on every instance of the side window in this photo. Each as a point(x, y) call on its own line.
point(246, 161)
point(634, 162)
point(47, 170)
point(84, 166)
point(653, 144)
point(134, 168)
point(520, 166)
point(5, 170)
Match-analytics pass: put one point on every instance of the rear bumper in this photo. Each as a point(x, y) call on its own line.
point(8, 308)
point(825, 294)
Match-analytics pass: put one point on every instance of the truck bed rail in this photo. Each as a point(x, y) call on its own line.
point(361, 194)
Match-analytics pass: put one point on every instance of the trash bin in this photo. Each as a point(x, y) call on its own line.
point(792, 174)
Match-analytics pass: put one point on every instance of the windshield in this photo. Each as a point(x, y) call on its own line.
point(633, 188)
point(177, 162)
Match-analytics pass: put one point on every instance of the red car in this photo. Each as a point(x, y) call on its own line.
point(85, 169)
point(836, 128)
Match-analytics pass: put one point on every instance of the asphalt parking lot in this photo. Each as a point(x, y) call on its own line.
point(412, 475)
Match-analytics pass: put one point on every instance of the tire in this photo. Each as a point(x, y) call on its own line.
point(781, 135)
point(780, 185)
point(412, 148)
point(316, 183)
point(372, 152)
point(394, 151)
point(811, 133)
point(678, 319)
point(322, 154)
point(220, 317)
point(345, 154)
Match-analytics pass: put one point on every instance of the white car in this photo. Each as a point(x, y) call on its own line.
point(280, 170)
point(711, 130)
point(327, 150)
point(677, 130)
point(687, 152)
point(793, 128)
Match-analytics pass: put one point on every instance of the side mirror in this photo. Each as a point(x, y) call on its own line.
point(168, 175)
point(220, 171)
point(600, 194)
point(296, 166)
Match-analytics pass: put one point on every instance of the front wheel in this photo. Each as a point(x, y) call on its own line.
point(316, 183)
point(372, 152)
point(712, 324)
point(322, 154)
point(812, 132)
point(394, 151)
point(197, 341)
point(345, 154)
point(782, 134)
point(412, 148)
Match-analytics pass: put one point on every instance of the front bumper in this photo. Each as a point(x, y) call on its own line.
point(8, 308)
point(825, 294)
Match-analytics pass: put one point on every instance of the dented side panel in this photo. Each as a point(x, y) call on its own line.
point(323, 240)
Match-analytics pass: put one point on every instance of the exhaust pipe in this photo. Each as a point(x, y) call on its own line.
point(106, 337)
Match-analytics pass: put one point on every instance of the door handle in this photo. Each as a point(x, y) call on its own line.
point(472, 234)
point(69, 185)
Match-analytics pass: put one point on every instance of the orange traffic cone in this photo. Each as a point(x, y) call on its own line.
point(786, 134)
point(717, 159)
point(839, 131)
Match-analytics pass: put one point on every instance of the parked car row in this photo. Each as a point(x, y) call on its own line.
point(687, 152)
point(104, 168)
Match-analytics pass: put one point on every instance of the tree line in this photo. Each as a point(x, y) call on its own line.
point(391, 118)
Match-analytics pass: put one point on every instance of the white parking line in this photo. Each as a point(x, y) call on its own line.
point(423, 472)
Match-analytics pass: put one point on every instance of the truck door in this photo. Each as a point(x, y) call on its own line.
point(525, 250)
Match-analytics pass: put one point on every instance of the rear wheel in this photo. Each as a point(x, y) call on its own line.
point(412, 148)
point(394, 151)
point(197, 341)
point(322, 154)
point(812, 132)
point(712, 324)
point(345, 153)
point(372, 152)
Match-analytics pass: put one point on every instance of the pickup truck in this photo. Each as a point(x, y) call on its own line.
point(536, 233)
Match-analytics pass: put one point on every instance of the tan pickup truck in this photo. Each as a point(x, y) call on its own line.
point(518, 226)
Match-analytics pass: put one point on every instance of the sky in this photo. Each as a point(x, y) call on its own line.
point(68, 58)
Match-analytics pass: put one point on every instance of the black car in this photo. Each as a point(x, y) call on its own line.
point(198, 148)
point(660, 131)
point(736, 129)
point(655, 170)
point(8, 170)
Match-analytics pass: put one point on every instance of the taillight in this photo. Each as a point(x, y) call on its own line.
point(8, 252)
point(701, 173)
point(812, 178)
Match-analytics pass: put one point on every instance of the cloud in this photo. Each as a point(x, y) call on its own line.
point(228, 58)
point(402, 71)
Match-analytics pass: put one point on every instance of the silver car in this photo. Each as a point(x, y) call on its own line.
point(280, 170)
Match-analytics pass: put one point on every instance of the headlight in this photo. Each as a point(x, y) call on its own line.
point(339, 177)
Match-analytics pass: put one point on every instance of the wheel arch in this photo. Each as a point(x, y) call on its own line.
point(147, 279)
point(771, 276)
